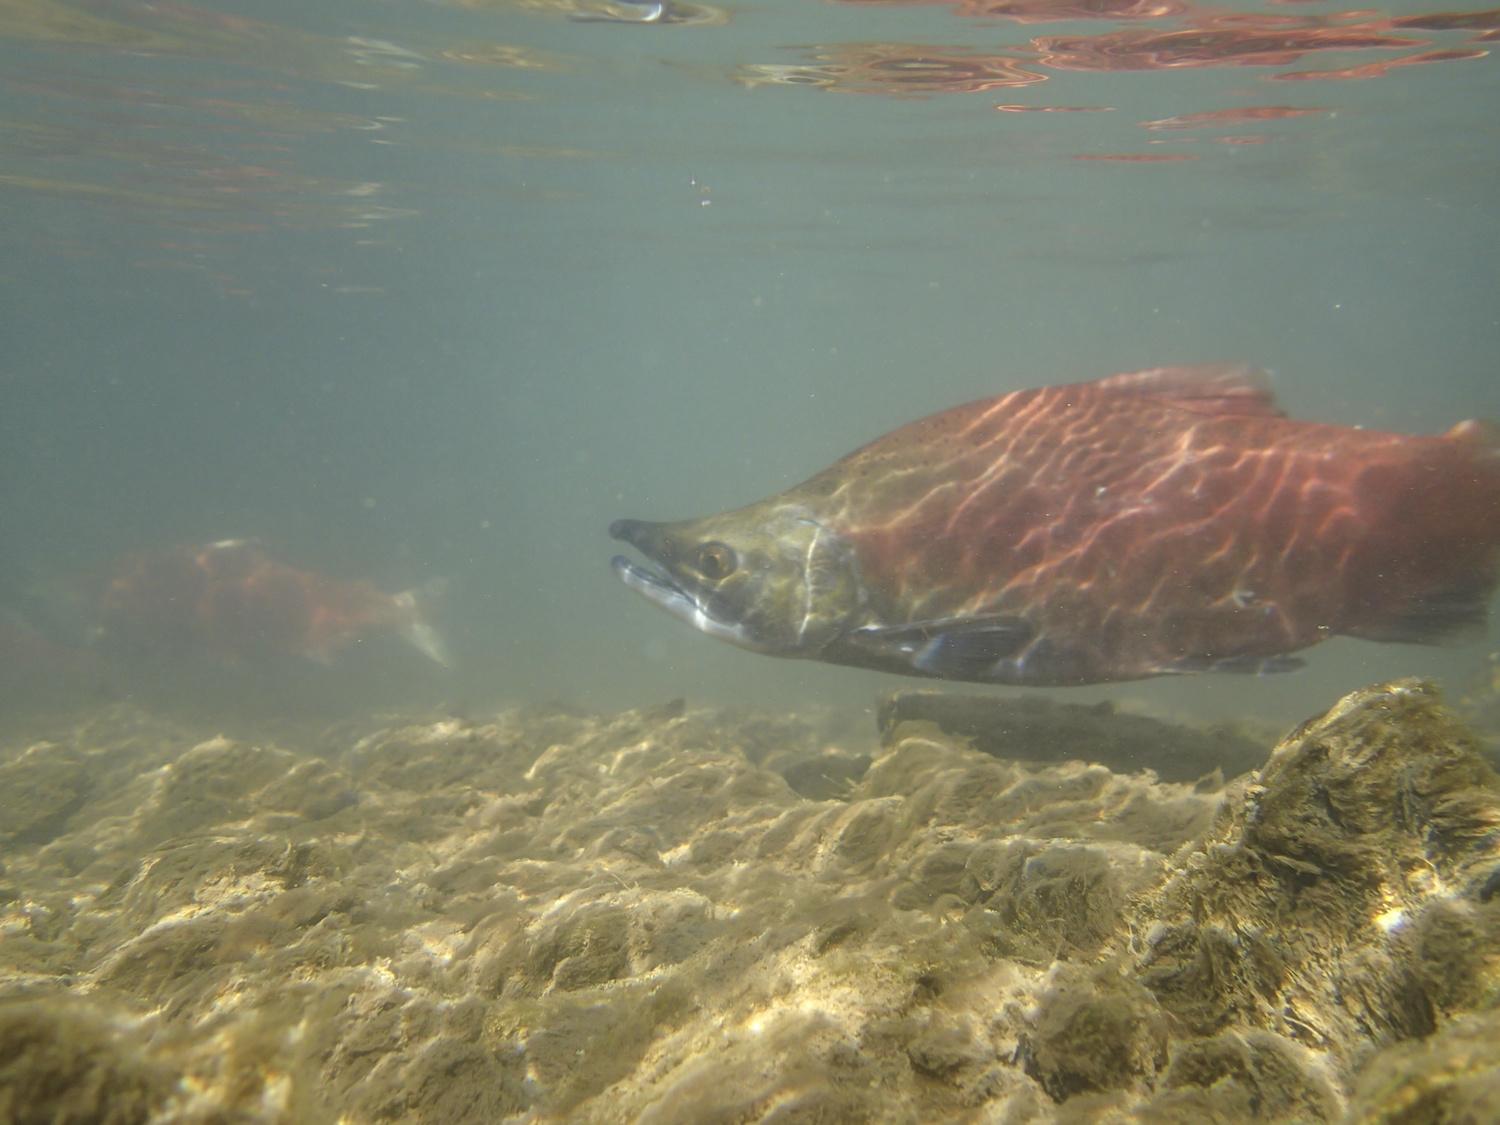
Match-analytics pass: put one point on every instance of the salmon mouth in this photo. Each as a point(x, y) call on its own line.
point(655, 586)
point(654, 583)
point(660, 590)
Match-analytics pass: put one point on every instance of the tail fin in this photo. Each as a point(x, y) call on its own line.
point(1483, 437)
point(413, 608)
point(1458, 550)
point(1479, 442)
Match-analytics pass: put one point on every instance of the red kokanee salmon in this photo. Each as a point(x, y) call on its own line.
point(231, 602)
point(1162, 521)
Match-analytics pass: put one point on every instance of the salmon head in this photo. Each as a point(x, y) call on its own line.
point(770, 577)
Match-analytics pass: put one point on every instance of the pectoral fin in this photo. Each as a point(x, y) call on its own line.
point(954, 648)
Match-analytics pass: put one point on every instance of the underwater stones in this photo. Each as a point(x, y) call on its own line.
point(1450, 1076)
point(66, 1060)
point(170, 965)
point(223, 781)
point(309, 790)
point(1095, 1031)
point(1452, 949)
point(941, 782)
point(455, 1079)
point(448, 754)
point(1243, 1076)
point(227, 874)
point(826, 776)
point(579, 948)
point(1305, 908)
point(1044, 900)
point(212, 783)
point(556, 916)
point(393, 1055)
point(39, 791)
point(948, 1045)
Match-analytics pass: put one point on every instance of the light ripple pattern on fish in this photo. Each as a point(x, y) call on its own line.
point(1153, 522)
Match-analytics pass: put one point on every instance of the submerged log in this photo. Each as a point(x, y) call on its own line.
point(1035, 729)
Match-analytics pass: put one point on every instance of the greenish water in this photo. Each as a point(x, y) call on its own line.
point(421, 291)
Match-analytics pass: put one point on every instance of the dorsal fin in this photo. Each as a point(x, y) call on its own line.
point(1204, 388)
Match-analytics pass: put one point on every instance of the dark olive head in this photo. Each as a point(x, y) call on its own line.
point(769, 577)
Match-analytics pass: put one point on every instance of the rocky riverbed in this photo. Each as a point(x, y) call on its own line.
point(683, 915)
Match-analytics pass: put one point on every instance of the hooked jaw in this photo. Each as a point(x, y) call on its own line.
point(657, 586)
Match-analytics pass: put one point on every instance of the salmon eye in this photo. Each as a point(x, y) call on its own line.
point(715, 561)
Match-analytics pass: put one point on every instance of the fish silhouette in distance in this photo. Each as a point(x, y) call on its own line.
point(1154, 522)
point(232, 603)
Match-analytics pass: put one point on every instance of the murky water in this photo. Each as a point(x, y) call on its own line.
point(436, 291)
point(340, 779)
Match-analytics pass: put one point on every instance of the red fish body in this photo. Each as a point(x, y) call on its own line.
point(230, 602)
point(1161, 521)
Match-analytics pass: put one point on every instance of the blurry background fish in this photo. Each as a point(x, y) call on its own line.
point(213, 619)
point(232, 602)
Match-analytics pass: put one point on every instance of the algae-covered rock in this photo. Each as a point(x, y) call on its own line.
point(1244, 1075)
point(62, 1060)
point(1339, 898)
point(676, 914)
point(1450, 1076)
point(1096, 1030)
point(39, 791)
